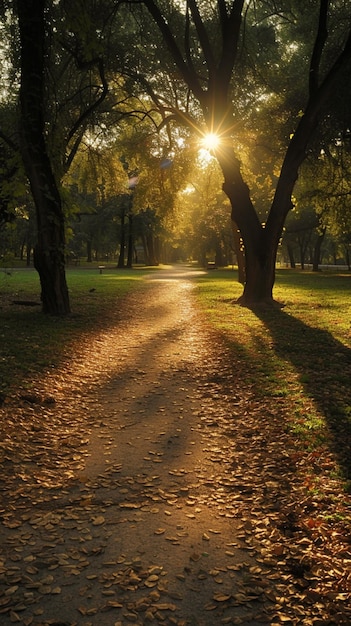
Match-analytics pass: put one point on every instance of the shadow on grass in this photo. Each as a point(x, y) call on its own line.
point(324, 368)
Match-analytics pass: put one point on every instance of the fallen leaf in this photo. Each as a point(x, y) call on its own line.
point(221, 597)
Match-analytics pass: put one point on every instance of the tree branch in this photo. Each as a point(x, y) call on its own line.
point(230, 36)
point(187, 72)
point(296, 151)
point(321, 37)
point(203, 36)
point(87, 112)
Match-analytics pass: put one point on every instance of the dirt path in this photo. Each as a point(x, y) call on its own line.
point(125, 500)
point(138, 532)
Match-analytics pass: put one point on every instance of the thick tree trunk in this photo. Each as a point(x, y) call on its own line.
point(259, 273)
point(259, 249)
point(49, 256)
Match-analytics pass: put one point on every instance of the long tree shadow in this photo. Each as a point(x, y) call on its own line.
point(324, 367)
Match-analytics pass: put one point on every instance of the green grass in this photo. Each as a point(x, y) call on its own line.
point(297, 356)
point(32, 342)
point(300, 353)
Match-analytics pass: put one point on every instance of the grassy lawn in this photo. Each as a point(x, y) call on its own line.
point(32, 342)
point(298, 355)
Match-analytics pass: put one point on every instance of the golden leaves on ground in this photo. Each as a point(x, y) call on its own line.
point(231, 509)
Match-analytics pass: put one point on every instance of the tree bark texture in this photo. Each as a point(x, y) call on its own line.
point(49, 254)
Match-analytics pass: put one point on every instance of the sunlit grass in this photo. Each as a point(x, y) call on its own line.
point(321, 301)
point(299, 355)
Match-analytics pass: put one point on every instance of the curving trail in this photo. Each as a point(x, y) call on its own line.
point(140, 488)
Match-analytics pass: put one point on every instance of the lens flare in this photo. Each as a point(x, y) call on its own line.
point(210, 141)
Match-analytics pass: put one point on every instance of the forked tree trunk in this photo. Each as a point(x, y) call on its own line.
point(49, 254)
point(259, 249)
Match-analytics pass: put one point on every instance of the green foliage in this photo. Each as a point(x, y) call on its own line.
point(204, 227)
point(111, 99)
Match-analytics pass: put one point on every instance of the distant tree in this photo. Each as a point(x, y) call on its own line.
point(323, 198)
point(203, 217)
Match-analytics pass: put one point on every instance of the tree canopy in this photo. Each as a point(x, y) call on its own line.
point(269, 80)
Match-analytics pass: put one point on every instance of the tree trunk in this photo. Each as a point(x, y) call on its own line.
point(239, 253)
point(130, 241)
point(291, 256)
point(89, 250)
point(122, 242)
point(260, 247)
point(28, 254)
point(150, 242)
point(317, 250)
point(49, 254)
point(219, 259)
point(259, 273)
point(145, 248)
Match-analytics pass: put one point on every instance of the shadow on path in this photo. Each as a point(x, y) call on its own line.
point(157, 487)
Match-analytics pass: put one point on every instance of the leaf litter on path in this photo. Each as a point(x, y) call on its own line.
point(92, 534)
